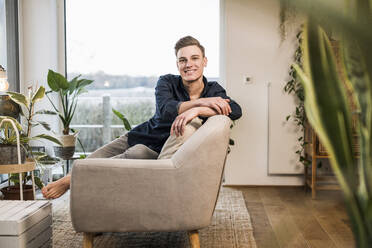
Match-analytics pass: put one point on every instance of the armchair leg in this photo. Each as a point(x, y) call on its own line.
point(88, 240)
point(194, 239)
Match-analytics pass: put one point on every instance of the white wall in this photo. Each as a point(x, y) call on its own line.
point(264, 151)
point(41, 46)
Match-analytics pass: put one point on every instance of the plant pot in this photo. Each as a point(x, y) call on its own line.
point(68, 149)
point(9, 154)
point(12, 192)
point(64, 152)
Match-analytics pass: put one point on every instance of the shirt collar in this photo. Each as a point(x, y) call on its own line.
point(205, 81)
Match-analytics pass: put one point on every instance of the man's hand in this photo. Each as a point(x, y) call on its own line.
point(219, 104)
point(182, 119)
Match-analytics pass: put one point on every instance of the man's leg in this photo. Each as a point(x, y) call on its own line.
point(173, 142)
point(56, 189)
point(138, 151)
point(114, 148)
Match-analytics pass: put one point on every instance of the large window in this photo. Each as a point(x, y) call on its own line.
point(124, 46)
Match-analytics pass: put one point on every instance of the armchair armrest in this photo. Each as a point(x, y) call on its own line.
point(126, 163)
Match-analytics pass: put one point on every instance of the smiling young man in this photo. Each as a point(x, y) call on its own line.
point(183, 102)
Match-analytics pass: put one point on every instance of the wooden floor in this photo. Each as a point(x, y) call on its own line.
point(288, 217)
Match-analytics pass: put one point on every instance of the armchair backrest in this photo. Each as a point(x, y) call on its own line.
point(208, 144)
point(200, 162)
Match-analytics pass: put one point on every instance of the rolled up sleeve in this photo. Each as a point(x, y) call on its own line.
point(165, 100)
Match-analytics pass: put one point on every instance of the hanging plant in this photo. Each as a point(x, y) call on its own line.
point(294, 86)
point(287, 15)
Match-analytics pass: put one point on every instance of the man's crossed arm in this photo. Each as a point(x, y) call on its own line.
point(204, 107)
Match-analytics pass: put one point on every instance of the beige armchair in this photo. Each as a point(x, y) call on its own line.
point(112, 195)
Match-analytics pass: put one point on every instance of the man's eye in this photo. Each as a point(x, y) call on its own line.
point(181, 61)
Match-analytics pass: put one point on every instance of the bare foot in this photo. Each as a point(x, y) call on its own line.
point(56, 189)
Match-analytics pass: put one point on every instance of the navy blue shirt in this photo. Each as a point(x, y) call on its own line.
point(170, 93)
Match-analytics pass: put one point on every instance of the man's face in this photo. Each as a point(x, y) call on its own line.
point(191, 63)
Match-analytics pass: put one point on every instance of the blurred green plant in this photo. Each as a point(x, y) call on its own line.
point(125, 121)
point(327, 105)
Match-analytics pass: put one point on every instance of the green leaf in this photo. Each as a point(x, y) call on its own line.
point(45, 159)
point(73, 83)
point(84, 82)
point(56, 81)
point(39, 94)
point(45, 112)
point(124, 120)
point(39, 154)
point(7, 125)
point(18, 98)
point(47, 137)
point(44, 124)
point(38, 182)
point(81, 91)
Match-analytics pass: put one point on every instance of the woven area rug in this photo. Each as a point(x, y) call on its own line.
point(231, 227)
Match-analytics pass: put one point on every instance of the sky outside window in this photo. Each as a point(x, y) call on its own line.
point(137, 38)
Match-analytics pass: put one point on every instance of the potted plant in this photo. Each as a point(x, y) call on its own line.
point(8, 139)
point(68, 95)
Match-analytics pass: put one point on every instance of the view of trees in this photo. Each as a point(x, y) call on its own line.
point(109, 81)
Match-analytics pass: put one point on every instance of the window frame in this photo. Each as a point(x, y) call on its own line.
point(12, 44)
point(12, 51)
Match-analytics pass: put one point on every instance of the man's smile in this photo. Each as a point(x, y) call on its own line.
point(190, 70)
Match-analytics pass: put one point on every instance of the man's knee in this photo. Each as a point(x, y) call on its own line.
point(140, 151)
point(190, 128)
point(174, 142)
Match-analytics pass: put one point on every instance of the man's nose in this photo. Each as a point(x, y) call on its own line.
point(188, 63)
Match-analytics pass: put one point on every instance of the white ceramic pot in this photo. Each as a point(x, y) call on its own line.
point(68, 140)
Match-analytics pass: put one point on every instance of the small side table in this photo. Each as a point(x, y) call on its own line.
point(26, 224)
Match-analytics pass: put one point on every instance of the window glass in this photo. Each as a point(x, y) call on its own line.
point(124, 46)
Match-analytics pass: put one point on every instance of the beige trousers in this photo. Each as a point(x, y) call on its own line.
point(173, 142)
point(119, 147)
